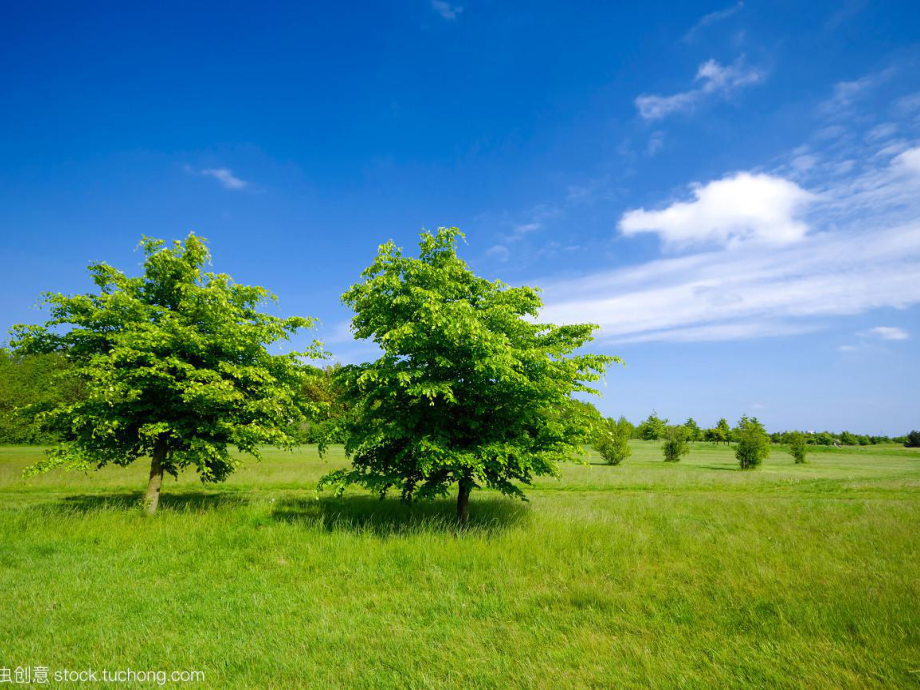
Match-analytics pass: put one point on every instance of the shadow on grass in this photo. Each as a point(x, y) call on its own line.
point(392, 516)
point(185, 502)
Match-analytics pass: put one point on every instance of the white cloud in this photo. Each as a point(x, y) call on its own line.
point(713, 79)
point(887, 333)
point(446, 10)
point(909, 160)
point(226, 177)
point(746, 292)
point(712, 18)
point(499, 251)
point(729, 211)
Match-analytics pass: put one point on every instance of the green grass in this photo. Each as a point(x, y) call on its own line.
point(691, 575)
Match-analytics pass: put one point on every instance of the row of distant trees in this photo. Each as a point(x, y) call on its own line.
point(752, 442)
point(43, 381)
point(654, 428)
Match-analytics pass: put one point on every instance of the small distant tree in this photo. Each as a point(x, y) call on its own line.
point(753, 442)
point(912, 440)
point(653, 428)
point(612, 441)
point(470, 390)
point(798, 447)
point(693, 430)
point(675, 444)
point(172, 364)
point(848, 439)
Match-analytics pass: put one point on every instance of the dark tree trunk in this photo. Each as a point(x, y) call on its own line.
point(463, 500)
point(152, 497)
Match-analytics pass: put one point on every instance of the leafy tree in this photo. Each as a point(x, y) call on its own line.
point(30, 384)
point(325, 427)
point(797, 446)
point(848, 439)
point(912, 440)
point(724, 431)
point(612, 441)
point(693, 430)
point(470, 389)
point(174, 365)
point(675, 444)
point(753, 442)
point(653, 428)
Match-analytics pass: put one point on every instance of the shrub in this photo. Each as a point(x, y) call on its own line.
point(912, 440)
point(753, 443)
point(612, 440)
point(675, 444)
point(797, 446)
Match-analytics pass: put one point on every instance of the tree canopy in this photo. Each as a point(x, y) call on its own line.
point(174, 364)
point(470, 389)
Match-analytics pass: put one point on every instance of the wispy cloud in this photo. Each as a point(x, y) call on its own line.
point(713, 78)
point(446, 10)
point(712, 18)
point(887, 333)
point(857, 249)
point(745, 293)
point(223, 175)
point(743, 207)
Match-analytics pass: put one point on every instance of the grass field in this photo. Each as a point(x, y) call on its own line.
point(691, 575)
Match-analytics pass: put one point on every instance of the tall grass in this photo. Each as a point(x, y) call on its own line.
point(695, 574)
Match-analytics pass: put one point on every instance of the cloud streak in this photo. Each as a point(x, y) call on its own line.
point(223, 175)
point(745, 293)
point(713, 78)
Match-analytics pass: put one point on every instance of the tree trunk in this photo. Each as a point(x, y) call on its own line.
point(152, 497)
point(463, 500)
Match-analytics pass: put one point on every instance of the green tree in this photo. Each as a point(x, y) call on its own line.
point(675, 444)
point(653, 428)
point(753, 442)
point(693, 430)
point(173, 364)
point(612, 440)
point(30, 384)
point(797, 446)
point(470, 389)
point(848, 439)
point(912, 440)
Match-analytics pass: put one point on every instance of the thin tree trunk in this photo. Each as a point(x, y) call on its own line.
point(152, 497)
point(463, 500)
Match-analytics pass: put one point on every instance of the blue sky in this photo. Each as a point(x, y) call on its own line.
point(731, 190)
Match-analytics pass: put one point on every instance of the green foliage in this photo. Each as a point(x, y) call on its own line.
point(653, 428)
point(612, 441)
point(720, 433)
point(30, 384)
point(912, 440)
point(676, 443)
point(848, 439)
point(173, 361)
point(470, 387)
point(325, 425)
point(753, 442)
point(798, 447)
point(694, 433)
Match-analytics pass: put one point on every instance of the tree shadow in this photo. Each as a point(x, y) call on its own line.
point(185, 502)
point(390, 516)
point(720, 468)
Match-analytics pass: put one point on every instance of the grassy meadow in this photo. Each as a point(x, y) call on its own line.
point(693, 575)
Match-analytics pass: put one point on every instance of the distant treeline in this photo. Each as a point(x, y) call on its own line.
point(654, 428)
point(33, 383)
